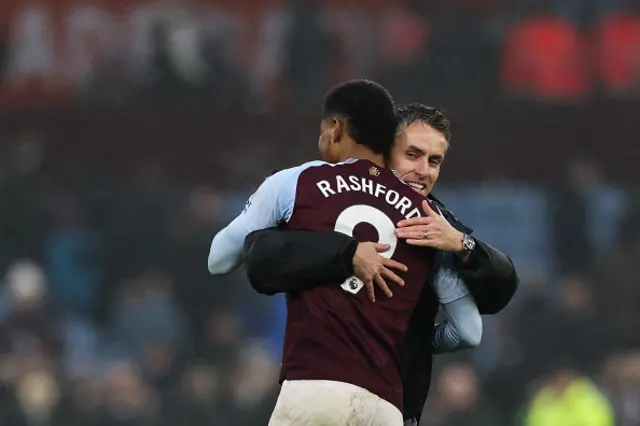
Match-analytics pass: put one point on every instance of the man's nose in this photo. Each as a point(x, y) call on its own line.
point(422, 168)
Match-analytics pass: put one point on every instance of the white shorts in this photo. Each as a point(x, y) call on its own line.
point(328, 403)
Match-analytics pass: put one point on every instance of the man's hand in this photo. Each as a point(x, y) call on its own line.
point(431, 231)
point(370, 267)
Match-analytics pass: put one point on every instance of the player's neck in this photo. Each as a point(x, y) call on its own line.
point(363, 153)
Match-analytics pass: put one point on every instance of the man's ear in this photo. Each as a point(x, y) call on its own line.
point(338, 126)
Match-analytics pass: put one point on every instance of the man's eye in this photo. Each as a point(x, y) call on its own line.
point(412, 155)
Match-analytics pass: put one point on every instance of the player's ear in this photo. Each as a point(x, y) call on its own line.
point(338, 127)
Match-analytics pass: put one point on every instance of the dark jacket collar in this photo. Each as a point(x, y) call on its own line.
point(451, 218)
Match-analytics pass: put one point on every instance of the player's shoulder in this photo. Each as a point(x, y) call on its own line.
point(288, 172)
point(287, 177)
point(320, 163)
point(290, 175)
point(310, 166)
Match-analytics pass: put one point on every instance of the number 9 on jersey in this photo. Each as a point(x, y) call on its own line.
point(352, 216)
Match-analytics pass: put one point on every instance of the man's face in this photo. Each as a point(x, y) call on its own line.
point(417, 155)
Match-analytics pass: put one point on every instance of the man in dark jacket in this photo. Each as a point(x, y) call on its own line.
point(292, 261)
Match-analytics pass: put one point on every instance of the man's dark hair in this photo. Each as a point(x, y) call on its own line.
point(369, 111)
point(421, 113)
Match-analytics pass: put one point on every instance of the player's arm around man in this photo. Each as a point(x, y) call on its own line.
point(280, 261)
point(276, 264)
point(463, 328)
point(301, 268)
point(269, 206)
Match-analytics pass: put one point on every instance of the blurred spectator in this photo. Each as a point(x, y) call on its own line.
point(619, 295)
point(83, 345)
point(568, 398)
point(83, 404)
point(309, 53)
point(172, 72)
point(272, 322)
point(578, 327)
point(622, 381)
point(524, 354)
point(461, 51)
point(145, 314)
point(254, 386)
point(458, 400)
point(73, 258)
point(129, 401)
point(617, 52)
point(572, 324)
point(586, 12)
point(568, 215)
point(190, 230)
point(38, 394)
point(544, 58)
point(11, 412)
point(405, 53)
point(223, 83)
point(23, 196)
point(222, 341)
point(405, 34)
point(199, 400)
point(184, 40)
point(136, 227)
point(161, 368)
point(32, 325)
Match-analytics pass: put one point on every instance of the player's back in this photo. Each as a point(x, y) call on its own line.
point(334, 332)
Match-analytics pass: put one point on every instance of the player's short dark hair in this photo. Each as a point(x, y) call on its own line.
point(421, 113)
point(369, 111)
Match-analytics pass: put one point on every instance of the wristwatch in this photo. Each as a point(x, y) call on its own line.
point(468, 244)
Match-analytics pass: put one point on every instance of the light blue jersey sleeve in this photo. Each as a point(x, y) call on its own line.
point(271, 205)
point(461, 330)
point(447, 283)
point(463, 327)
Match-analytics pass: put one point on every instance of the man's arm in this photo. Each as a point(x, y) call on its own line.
point(269, 206)
point(291, 261)
point(490, 276)
point(463, 328)
point(488, 273)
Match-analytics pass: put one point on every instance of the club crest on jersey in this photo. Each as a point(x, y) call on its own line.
point(374, 171)
point(246, 206)
point(248, 203)
point(353, 285)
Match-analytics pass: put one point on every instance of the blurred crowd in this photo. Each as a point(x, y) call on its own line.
point(273, 54)
point(546, 50)
point(108, 315)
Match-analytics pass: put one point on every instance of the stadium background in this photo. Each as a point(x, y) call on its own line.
point(131, 130)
